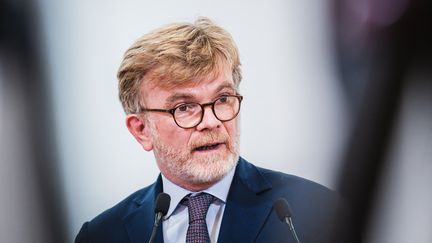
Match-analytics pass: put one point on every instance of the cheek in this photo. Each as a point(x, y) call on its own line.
point(232, 127)
point(172, 135)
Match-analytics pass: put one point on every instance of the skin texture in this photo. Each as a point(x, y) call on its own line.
point(174, 147)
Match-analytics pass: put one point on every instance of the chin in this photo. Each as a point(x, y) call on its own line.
point(195, 170)
point(208, 170)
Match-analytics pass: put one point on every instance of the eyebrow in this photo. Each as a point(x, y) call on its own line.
point(186, 96)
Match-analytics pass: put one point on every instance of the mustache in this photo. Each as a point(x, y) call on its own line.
point(209, 138)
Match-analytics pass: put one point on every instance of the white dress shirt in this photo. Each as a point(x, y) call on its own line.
point(176, 221)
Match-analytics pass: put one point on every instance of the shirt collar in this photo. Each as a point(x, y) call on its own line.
point(219, 190)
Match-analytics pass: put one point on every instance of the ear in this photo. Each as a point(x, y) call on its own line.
point(138, 127)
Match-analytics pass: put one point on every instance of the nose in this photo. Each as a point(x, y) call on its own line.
point(209, 120)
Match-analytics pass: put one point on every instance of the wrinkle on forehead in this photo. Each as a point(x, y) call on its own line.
point(172, 81)
point(185, 95)
point(152, 81)
point(178, 74)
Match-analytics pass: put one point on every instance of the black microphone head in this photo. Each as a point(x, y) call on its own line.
point(282, 208)
point(162, 203)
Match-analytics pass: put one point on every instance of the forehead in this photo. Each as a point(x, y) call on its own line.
point(202, 89)
point(205, 90)
point(195, 88)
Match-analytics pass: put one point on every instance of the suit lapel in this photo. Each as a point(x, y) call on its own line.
point(246, 211)
point(139, 223)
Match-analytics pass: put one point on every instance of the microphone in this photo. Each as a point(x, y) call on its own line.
point(283, 211)
point(161, 208)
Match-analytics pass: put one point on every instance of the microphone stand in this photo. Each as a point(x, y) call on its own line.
point(290, 224)
point(156, 224)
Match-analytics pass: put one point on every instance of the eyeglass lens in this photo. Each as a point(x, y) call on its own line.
point(189, 115)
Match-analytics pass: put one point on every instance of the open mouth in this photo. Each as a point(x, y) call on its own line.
point(208, 147)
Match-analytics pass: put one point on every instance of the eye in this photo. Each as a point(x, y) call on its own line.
point(183, 107)
point(186, 107)
point(223, 99)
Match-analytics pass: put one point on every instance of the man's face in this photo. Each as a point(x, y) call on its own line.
point(198, 157)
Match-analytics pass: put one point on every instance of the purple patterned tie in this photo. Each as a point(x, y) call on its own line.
point(198, 206)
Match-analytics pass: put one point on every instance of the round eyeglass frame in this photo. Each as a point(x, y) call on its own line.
point(212, 104)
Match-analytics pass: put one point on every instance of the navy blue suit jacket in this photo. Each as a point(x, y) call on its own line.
point(248, 216)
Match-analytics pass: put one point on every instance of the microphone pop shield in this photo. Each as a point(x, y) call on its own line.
point(162, 203)
point(282, 208)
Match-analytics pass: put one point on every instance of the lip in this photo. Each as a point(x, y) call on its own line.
point(211, 147)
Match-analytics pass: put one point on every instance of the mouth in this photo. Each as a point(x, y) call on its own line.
point(208, 147)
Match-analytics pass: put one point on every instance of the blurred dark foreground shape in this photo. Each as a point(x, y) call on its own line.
point(30, 204)
point(384, 55)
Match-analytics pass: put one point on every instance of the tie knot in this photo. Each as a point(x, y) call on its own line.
point(198, 206)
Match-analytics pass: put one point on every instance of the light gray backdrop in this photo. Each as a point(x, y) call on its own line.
point(293, 118)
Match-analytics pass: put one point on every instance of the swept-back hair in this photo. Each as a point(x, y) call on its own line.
point(175, 55)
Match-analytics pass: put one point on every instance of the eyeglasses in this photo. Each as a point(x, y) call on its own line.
point(189, 115)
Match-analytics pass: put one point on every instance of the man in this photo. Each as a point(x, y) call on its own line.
point(179, 86)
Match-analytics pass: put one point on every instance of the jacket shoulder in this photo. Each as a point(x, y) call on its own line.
point(123, 208)
point(108, 226)
point(283, 181)
point(314, 207)
point(280, 182)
